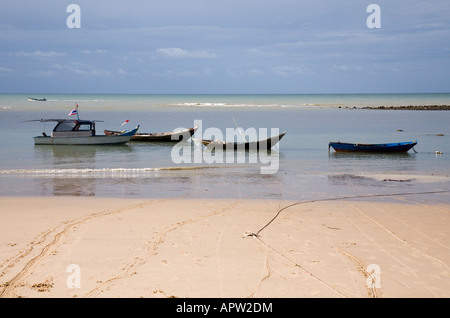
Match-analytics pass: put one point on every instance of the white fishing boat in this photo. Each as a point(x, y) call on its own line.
point(79, 132)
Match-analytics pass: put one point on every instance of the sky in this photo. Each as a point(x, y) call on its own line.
point(224, 46)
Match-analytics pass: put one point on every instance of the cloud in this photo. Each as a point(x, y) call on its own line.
point(5, 69)
point(40, 54)
point(236, 72)
point(94, 52)
point(264, 52)
point(122, 71)
point(45, 73)
point(184, 73)
point(275, 45)
point(180, 53)
point(291, 70)
point(343, 67)
point(81, 69)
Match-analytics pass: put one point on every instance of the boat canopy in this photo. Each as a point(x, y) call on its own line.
point(61, 120)
point(71, 125)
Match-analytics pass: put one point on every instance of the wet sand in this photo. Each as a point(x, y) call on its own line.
point(102, 247)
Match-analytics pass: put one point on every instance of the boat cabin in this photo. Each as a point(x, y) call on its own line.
point(74, 128)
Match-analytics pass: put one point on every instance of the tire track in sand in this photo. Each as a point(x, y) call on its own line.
point(150, 250)
point(399, 239)
point(382, 249)
point(53, 238)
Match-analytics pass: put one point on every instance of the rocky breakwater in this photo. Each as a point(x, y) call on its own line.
point(411, 107)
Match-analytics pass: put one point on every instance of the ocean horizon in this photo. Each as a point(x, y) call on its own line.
point(286, 100)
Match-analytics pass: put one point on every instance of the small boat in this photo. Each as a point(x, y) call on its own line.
point(248, 145)
point(173, 136)
point(390, 147)
point(79, 132)
point(32, 99)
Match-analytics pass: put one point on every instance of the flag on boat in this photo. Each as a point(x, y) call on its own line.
point(73, 112)
point(126, 121)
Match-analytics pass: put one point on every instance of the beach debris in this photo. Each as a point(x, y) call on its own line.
point(43, 287)
point(439, 152)
point(399, 180)
point(249, 234)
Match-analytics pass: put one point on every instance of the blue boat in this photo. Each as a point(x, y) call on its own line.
point(390, 147)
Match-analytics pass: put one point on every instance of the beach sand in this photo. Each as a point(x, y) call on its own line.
point(105, 247)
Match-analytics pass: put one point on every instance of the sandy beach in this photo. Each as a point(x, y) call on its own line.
point(104, 247)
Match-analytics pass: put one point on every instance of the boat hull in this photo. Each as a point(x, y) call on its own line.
point(373, 148)
point(90, 140)
point(159, 137)
point(256, 145)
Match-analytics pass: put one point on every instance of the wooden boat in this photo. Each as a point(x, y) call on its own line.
point(252, 145)
point(389, 147)
point(79, 132)
point(173, 136)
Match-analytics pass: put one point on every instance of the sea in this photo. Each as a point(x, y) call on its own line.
point(300, 167)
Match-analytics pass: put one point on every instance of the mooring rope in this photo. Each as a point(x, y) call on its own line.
point(343, 198)
point(372, 288)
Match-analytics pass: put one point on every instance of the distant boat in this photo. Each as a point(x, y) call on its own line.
point(173, 136)
point(249, 145)
point(79, 132)
point(37, 99)
point(390, 147)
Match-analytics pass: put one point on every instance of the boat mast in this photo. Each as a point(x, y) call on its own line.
point(78, 116)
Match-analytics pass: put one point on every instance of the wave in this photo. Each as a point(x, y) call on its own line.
point(75, 100)
point(208, 104)
point(98, 173)
point(256, 105)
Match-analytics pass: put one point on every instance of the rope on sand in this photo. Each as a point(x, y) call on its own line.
point(338, 199)
point(372, 288)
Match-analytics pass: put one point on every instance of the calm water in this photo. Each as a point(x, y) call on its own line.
point(304, 167)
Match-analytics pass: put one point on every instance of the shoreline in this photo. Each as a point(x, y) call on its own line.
point(164, 248)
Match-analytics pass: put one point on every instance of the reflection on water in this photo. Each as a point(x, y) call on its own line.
point(370, 155)
point(351, 180)
point(350, 162)
point(69, 187)
point(70, 165)
point(70, 156)
point(216, 182)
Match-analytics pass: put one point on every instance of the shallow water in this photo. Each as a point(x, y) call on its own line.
point(303, 165)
